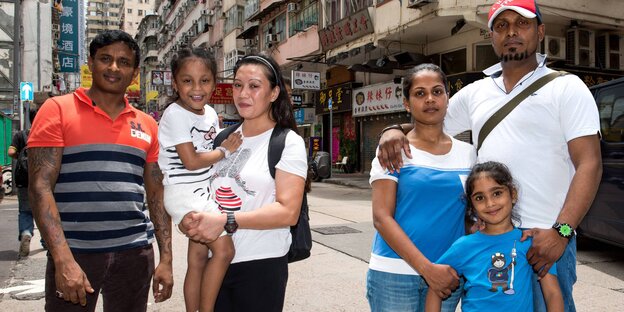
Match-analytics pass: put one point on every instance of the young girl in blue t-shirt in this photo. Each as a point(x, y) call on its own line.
point(493, 260)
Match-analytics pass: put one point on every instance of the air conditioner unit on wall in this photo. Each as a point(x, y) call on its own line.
point(293, 7)
point(554, 47)
point(609, 51)
point(415, 4)
point(580, 47)
point(269, 38)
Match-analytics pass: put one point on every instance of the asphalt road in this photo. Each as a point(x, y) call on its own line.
point(8, 231)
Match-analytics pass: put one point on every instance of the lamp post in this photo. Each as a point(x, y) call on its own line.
point(331, 133)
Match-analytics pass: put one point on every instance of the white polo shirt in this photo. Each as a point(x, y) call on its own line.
point(532, 139)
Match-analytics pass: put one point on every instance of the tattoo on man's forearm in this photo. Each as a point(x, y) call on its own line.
point(156, 174)
point(162, 223)
point(45, 163)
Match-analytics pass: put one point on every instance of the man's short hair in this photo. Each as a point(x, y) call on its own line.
point(109, 37)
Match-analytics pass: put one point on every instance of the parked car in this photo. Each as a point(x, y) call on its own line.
point(605, 219)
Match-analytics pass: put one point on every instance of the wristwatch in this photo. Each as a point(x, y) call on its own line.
point(230, 225)
point(564, 230)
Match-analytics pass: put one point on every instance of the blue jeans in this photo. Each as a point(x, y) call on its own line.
point(566, 275)
point(25, 216)
point(389, 292)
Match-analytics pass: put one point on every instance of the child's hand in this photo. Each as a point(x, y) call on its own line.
point(232, 142)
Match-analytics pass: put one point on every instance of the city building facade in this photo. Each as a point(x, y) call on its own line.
point(133, 11)
point(346, 57)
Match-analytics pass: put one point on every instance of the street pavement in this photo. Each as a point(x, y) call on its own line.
point(334, 277)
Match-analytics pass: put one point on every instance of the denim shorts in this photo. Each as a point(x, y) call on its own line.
point(389, 292)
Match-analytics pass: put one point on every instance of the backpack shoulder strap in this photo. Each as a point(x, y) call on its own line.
point(224, 134)
point(276, 147)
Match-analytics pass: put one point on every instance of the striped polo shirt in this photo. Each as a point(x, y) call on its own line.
point(99, 191)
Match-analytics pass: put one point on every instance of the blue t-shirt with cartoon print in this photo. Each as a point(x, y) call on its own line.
point(492, 282)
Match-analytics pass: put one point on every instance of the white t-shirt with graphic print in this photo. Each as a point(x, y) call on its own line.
point(242, 182)
point(178, 126)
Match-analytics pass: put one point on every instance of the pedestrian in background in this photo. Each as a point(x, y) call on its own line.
point(18, 152)
point(259, 208)
point(92, 161)
point(550, 141)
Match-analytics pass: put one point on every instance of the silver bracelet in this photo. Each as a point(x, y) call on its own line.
point(226, 152)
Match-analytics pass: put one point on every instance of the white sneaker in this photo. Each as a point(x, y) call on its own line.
point(24, 249)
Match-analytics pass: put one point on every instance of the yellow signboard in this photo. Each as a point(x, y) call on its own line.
point(86, 80)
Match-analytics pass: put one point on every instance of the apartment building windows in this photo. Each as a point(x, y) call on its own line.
point(234, 18)
point(129, 11)
point(339, 9)
point(140, 12)
point(230, 61)
point(306, 16)
point(333, 14)
point(274, 31)
point(352, 6)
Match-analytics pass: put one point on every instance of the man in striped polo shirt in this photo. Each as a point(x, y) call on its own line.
point(92, 159)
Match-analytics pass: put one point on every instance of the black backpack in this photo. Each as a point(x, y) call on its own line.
point(301, 235)
point(21, 166)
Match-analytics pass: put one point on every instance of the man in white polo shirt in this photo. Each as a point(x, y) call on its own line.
point(550, 141)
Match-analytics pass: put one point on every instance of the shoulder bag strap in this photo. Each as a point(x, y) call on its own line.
point(276, 147)
point(224, 134)
point(495, 119)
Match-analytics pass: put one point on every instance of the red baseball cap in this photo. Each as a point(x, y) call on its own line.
point(526, 8)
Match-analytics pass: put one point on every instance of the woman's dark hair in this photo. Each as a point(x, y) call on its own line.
point(109, 37)
point(501, 175)
point(408, 79)
point(178, 60)
point(281, 110)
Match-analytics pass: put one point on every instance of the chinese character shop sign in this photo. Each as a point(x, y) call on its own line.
point(68, 42)
point(306, 80)
point(340, 97)
point(378, 99)
point(222, 94)
point(346, 30)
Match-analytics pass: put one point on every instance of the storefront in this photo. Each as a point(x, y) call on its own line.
point(223, 103)
point(340, 126)
point(375, 107)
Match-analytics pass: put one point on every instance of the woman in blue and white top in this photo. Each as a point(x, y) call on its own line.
point(418, 210)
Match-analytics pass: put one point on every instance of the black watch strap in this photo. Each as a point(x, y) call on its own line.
point(230, 224)
point(564, 230)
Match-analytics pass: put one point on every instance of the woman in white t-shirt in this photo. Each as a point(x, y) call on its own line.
point(260, 209)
